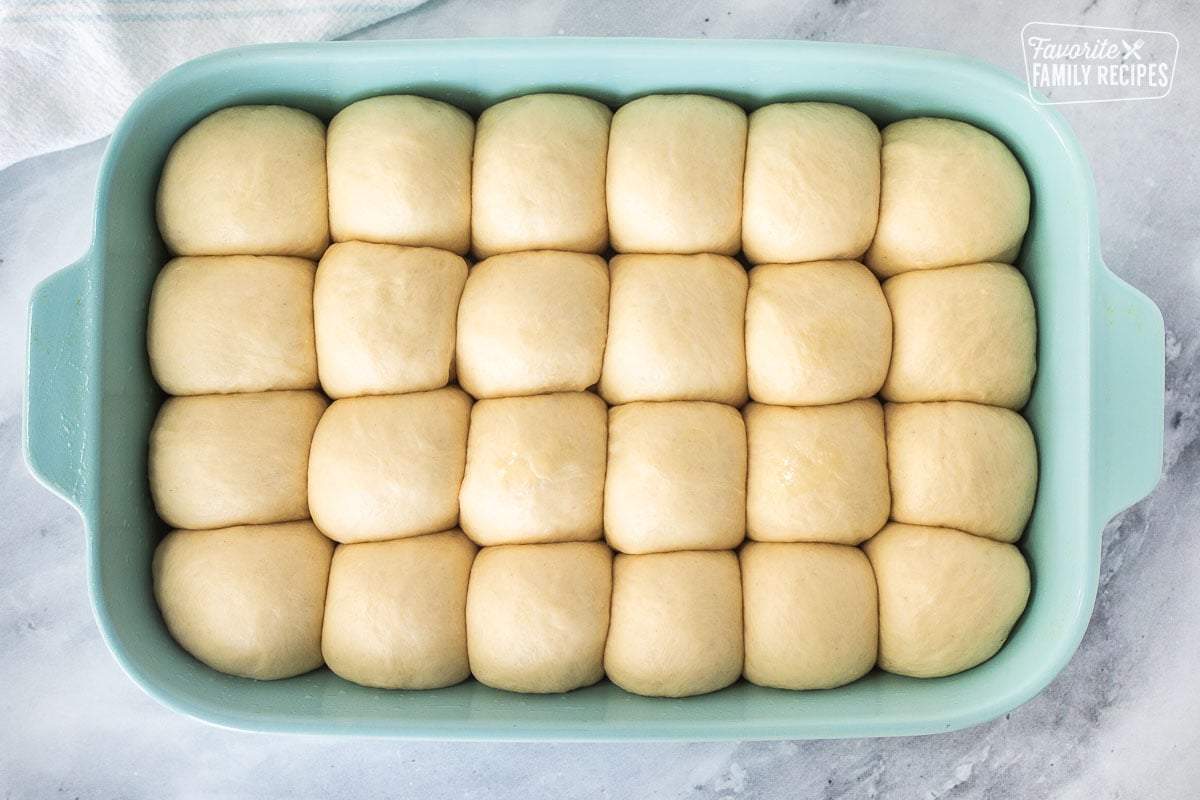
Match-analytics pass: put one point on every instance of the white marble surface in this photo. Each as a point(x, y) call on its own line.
point(1120, 721)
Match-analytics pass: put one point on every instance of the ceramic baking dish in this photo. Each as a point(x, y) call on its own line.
point(1097, 405)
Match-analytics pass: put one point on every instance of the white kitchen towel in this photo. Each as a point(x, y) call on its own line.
point(70, 68)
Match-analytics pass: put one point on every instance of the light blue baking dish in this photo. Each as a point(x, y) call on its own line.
point(1097, 406)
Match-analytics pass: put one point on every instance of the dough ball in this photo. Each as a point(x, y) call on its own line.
point(247, 180)
point(400, 173)
point(811, 614)
point(812, 183)
point(538, 180)
point(385, 318)
point(390, 466)
point(226, 324)
point(947, 600)
point(395, 615)
point(676, 330)
point(675, 166)
point(817, 474)
point(531, 323)
point(950, 194)
point(537, 616)
point(535, 469)
point(676, 477)
point(676, 623)
point(816, 334)
point(237, 459)
point(248, 600)
point(961, 465)
point(962, 333)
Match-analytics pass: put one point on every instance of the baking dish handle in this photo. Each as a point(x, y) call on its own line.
point(58, 382)
point(1128, 374)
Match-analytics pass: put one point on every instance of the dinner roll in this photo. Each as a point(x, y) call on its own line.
point(248, 600)
point(676, 330)
point(247, 180)
point(224, 324)
point(538, 181)
point(385, 318)
point(961, 465)
point(535, 469)
point(400, 173)
point(962, 333)
point(947, 600)
point(395, 615)
point(812, 183)
point(950, 194)
point(675, 166)
point(238, 459)
point(537, 615)
point(816, 334)
point(816, 474)
point(676, 477)
point(676, 623)
point(531, 323)
point(810, 613)
point(389, 466)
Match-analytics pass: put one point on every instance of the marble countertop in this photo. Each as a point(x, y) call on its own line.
point(1120, 721)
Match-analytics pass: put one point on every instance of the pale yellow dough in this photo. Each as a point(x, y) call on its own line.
point(390, 466)
point(248, 600)
point(811, 614)
point(247, 180)
point(816, 474)
point(676, 330)
point(238, 459)
point(385, 318)
point(816, 334)
point(537, 615)
point(675, 165)
point(226, 324)
point(961, 465)
point(947, 600)
point(812, 183)
point(395, 615)
point(538, 181)
point(400, 173)
point(676, 477)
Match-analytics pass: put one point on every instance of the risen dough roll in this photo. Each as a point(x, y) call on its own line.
point(675, 166)
point(535, 469)
point(950, 194)
point(812, 183)
point(947, 600)
point(962, 333)
point(531, 323)
point(385, 318)
point(676, 623)
point(247, 601)
point(220, 460)
point(676, 330)
point(961, 465)
point(387, 467)
point(537, 615)
point(676, 477)
point(538, 181)
point(247, 180)
point(816, 474)
point(816, 334)
point(395, 615)
point(228, 324)
point(400, 173)
point(812, 620)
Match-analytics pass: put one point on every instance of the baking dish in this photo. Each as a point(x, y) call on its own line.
point(1097, 404)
